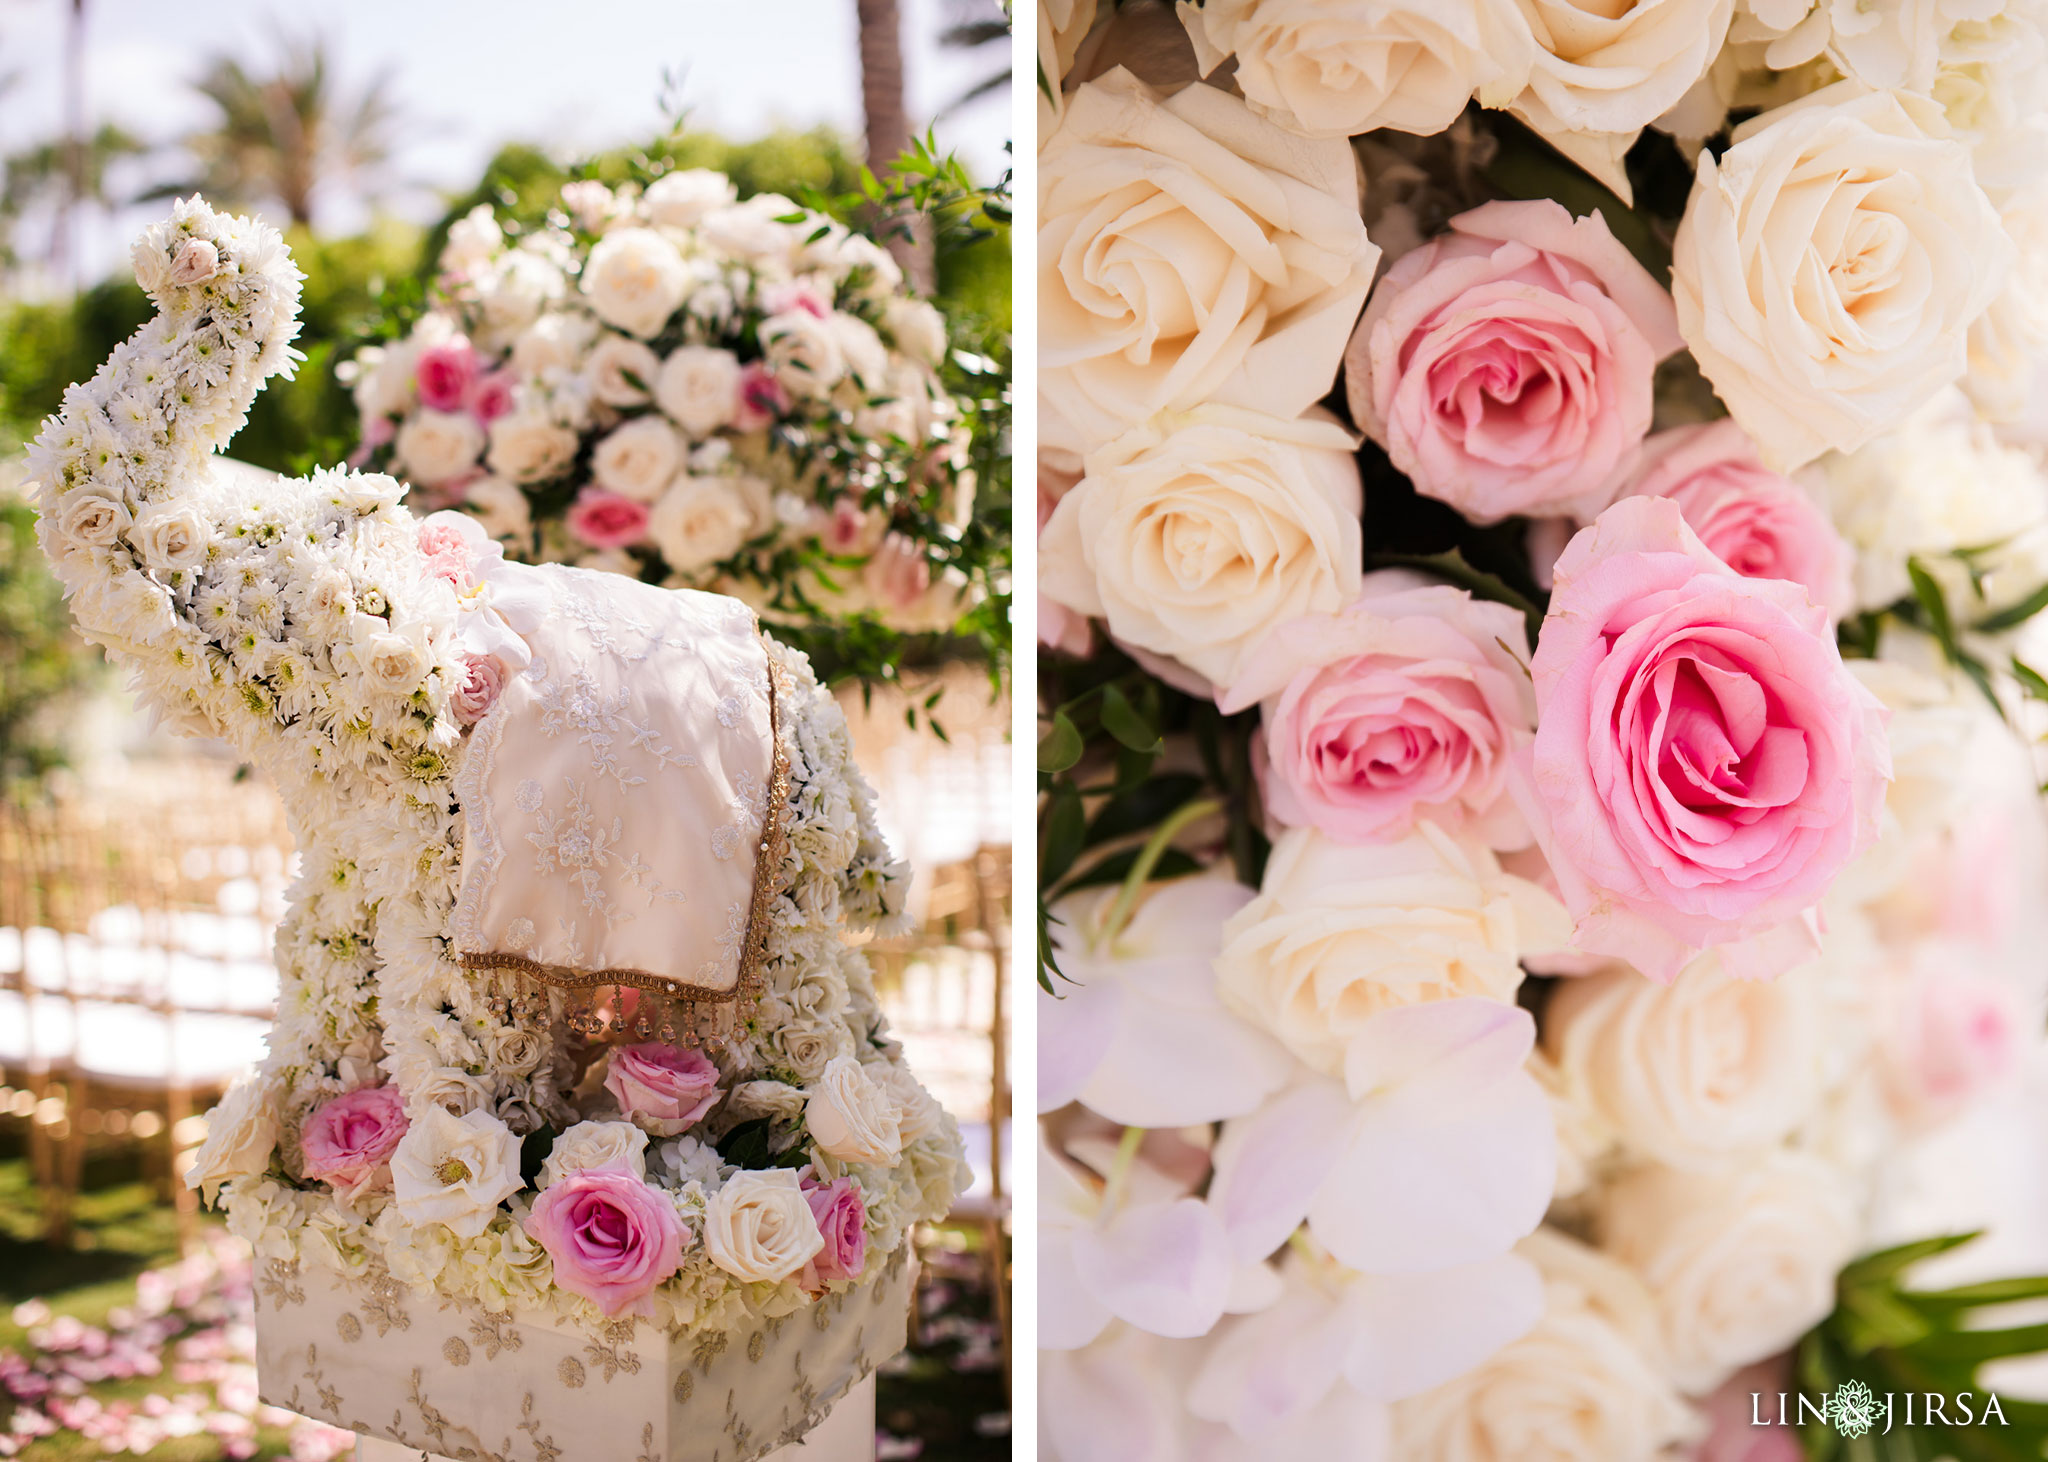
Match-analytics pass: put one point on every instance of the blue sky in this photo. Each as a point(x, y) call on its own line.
point(575, 76)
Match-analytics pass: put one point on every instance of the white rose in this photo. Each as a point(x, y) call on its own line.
point(803, 351)
point(171, 535)
point(1741, 1263)
point(680, 199)
point(621, 370)
point(1586, 1385)
point(638, 460)
point(596, 1145)
point(1062, 26)
point(391, 664)
point(698, 522)
point(518, 289)
point(918, 329)
point(1694, 1071)
point(1196, 544)
point(554, 342)
point(635, 280)
point(241, 1136)
point(435, 446)
point(1829, 267)
point(921, 1113)
point(1615, 69)
point(698, 387)
point(472, 240)
point(750, 232)
point(758, 1228)
point(2010, 339)
point(384, 379)
point(86, 516)
point(454, 1170)
point(1147, 296)
point(867, 359)
point(852, 1117)
point(500, 507)
point(1340, 932)
point(527, 446)
point(1340, 69)
point(776, 1099)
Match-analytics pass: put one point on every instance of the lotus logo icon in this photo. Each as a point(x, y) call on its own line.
point(1852, 1410)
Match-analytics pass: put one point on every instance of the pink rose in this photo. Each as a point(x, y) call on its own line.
point(613, 1239)
point(795, 294)
point(842, 1215)
point(1953, 1036)
point(196, 262)
point(1757, 522)
point(1505, 366)
point(491, 396)
point(483, 681)
point(665, 1089)
point(1407, 703)
point(899, 573)
point(447, 553)
point(605, 519)
point(348, 1140)
point(762, 398)
point(848, 529)
point(445, 373)
point(1703, 764)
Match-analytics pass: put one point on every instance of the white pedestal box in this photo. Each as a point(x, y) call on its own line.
point(447, 1378)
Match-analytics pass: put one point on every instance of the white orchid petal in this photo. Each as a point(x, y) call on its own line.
point(1070, 1314)
point(1253, 1287)
point(1270, 1163)
point(1161, 1267)
point(1116, 1401)
point(1170, 1065)
point(1074, 1030)
point(1266, 1369)
point(1412, 1332)
point(1454, 1046)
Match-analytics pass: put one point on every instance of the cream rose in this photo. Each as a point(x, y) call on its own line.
point(803, 351)
point(918, 330)
point(621, 371)
point(241, 1136)
point(618, 1145)
point(390, 664)
point(921, 1114)
point(1829, 267)
point(1585, 1385)
point(554, 342)
point(682, 198)
point(1615, 68)
point(435, 446)
point(634, 280)
point(2010, 338)
point(852, 1117)
point(1740, 1263)
point(1196, 542)
point(699, 388)
point(530, 447)
point(1340, 932)
point(758, 1226)
point(171, 535)
point(1189, 250)
point(1339, 68)
point(638, 460)
point(698, 522)
point(455, 1170)
point(1691, 1072)
point(90, 518)
point(500, 507)
point(1062, 26)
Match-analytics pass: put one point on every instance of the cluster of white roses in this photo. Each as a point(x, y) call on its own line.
point(1572, 1042)
point(301, 620)
point(678, 385)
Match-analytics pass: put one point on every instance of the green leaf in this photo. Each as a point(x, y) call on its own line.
point(1888, 1264)
point(1450, 566)
point(2014, 614)
point(2030, 679)
point(1121, 719)
point(1061, 837)
point(1933, 604)
point(1144, 806)
point(1061, 746)
point(1173, 863)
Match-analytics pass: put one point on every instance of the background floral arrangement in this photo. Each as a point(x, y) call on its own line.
point(413, 1117)
point(650, 375)
point(1541, 547)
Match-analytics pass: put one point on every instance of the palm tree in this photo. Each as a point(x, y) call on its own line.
point(975, 25)
point(888, 126)
point(284, 138)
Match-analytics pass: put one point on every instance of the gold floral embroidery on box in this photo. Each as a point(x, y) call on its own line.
point(279, 1281)
point(493, 1331)
point(544, 1448)
point(570, 1372)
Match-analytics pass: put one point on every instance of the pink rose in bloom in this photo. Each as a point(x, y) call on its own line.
point(665, 1089)
point(1407, 703)
point(445, 373)
point(605, 519)
point(849, 529)
point(842, 1215)
point(1757, 522)
point(348, 1140)
point(491, 396)
point(762, 399)
point(795, 294)
point(1953, 1037)
point(899, 573)
point(1505, 366)
point(613, 1238)
point(483, 681)
point(1703, 764)
point(447, 553)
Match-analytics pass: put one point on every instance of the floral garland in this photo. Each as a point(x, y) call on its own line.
point(415, 1116)
point(1536, 660)
point(669, 382)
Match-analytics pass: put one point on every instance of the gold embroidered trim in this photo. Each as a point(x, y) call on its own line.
point(753, 946)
